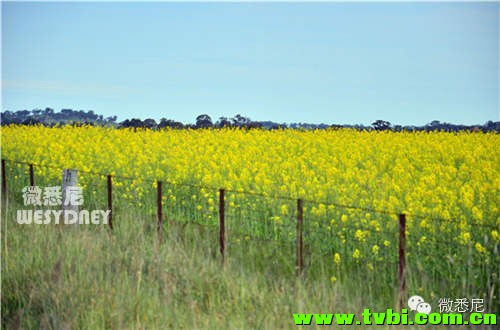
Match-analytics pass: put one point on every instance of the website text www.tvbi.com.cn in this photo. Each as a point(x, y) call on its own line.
point(461, 311)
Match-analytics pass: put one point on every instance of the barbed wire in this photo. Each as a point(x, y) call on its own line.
point(445, 245)
point(271, 196)
point(242, 236)
point(455, 220)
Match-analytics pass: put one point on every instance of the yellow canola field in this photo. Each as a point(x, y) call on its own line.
point(440, 173)
point(447, 184)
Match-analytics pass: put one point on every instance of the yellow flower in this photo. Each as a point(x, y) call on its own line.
point(477, 213)
point(375, 225)
point(336, 258)
point(276, 218)
point(481, 249)
point(360, 235)
point(424, 224)
point(464, 237)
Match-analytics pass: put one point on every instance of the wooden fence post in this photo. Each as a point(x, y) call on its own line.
point(70, 197)
point(300, 215)
point(402, 260)
point(110, 203)
point(160, 211)
point(4, 184)
point(221, 223)
point(32, 176)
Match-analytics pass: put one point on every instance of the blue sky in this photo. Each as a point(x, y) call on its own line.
point(343, 63)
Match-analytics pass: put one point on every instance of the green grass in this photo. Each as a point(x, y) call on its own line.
point(67, 277)
point(83, 277)
point(62, 277)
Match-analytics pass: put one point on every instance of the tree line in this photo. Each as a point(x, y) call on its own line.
point(49, 117)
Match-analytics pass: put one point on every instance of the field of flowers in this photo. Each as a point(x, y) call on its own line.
point(447, 184)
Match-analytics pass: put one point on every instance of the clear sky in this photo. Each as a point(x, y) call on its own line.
point(342, 63)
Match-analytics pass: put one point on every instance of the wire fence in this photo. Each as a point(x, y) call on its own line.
point(350, 236)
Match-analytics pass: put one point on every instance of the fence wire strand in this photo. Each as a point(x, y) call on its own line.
point(275, 197)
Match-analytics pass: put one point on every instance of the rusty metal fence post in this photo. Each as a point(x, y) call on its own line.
point(300, 215)
point(221, 223)
point(32, 176)
point(4, 183)
point(402, 260)
point(160, 213)
point(110, 203)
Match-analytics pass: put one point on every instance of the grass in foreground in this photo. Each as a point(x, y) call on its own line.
point(60, 277)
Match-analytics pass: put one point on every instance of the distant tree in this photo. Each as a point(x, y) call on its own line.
point(134, 122)
point(31, 121)
point(381, 125)
point(223, 122)
point(268, 124)
point(48, 112)
point(23, 114)
point(7, 117)
point(170, 123)
point(434, 123)
point(149, 123)
point(279, 126)
point(91, 115)
point(254, 125)
point(82, 123)
point(111, 119)
point(203, 121)
point(125, 123)
point(335, 127)
point(492, 126)
point(240, 121)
